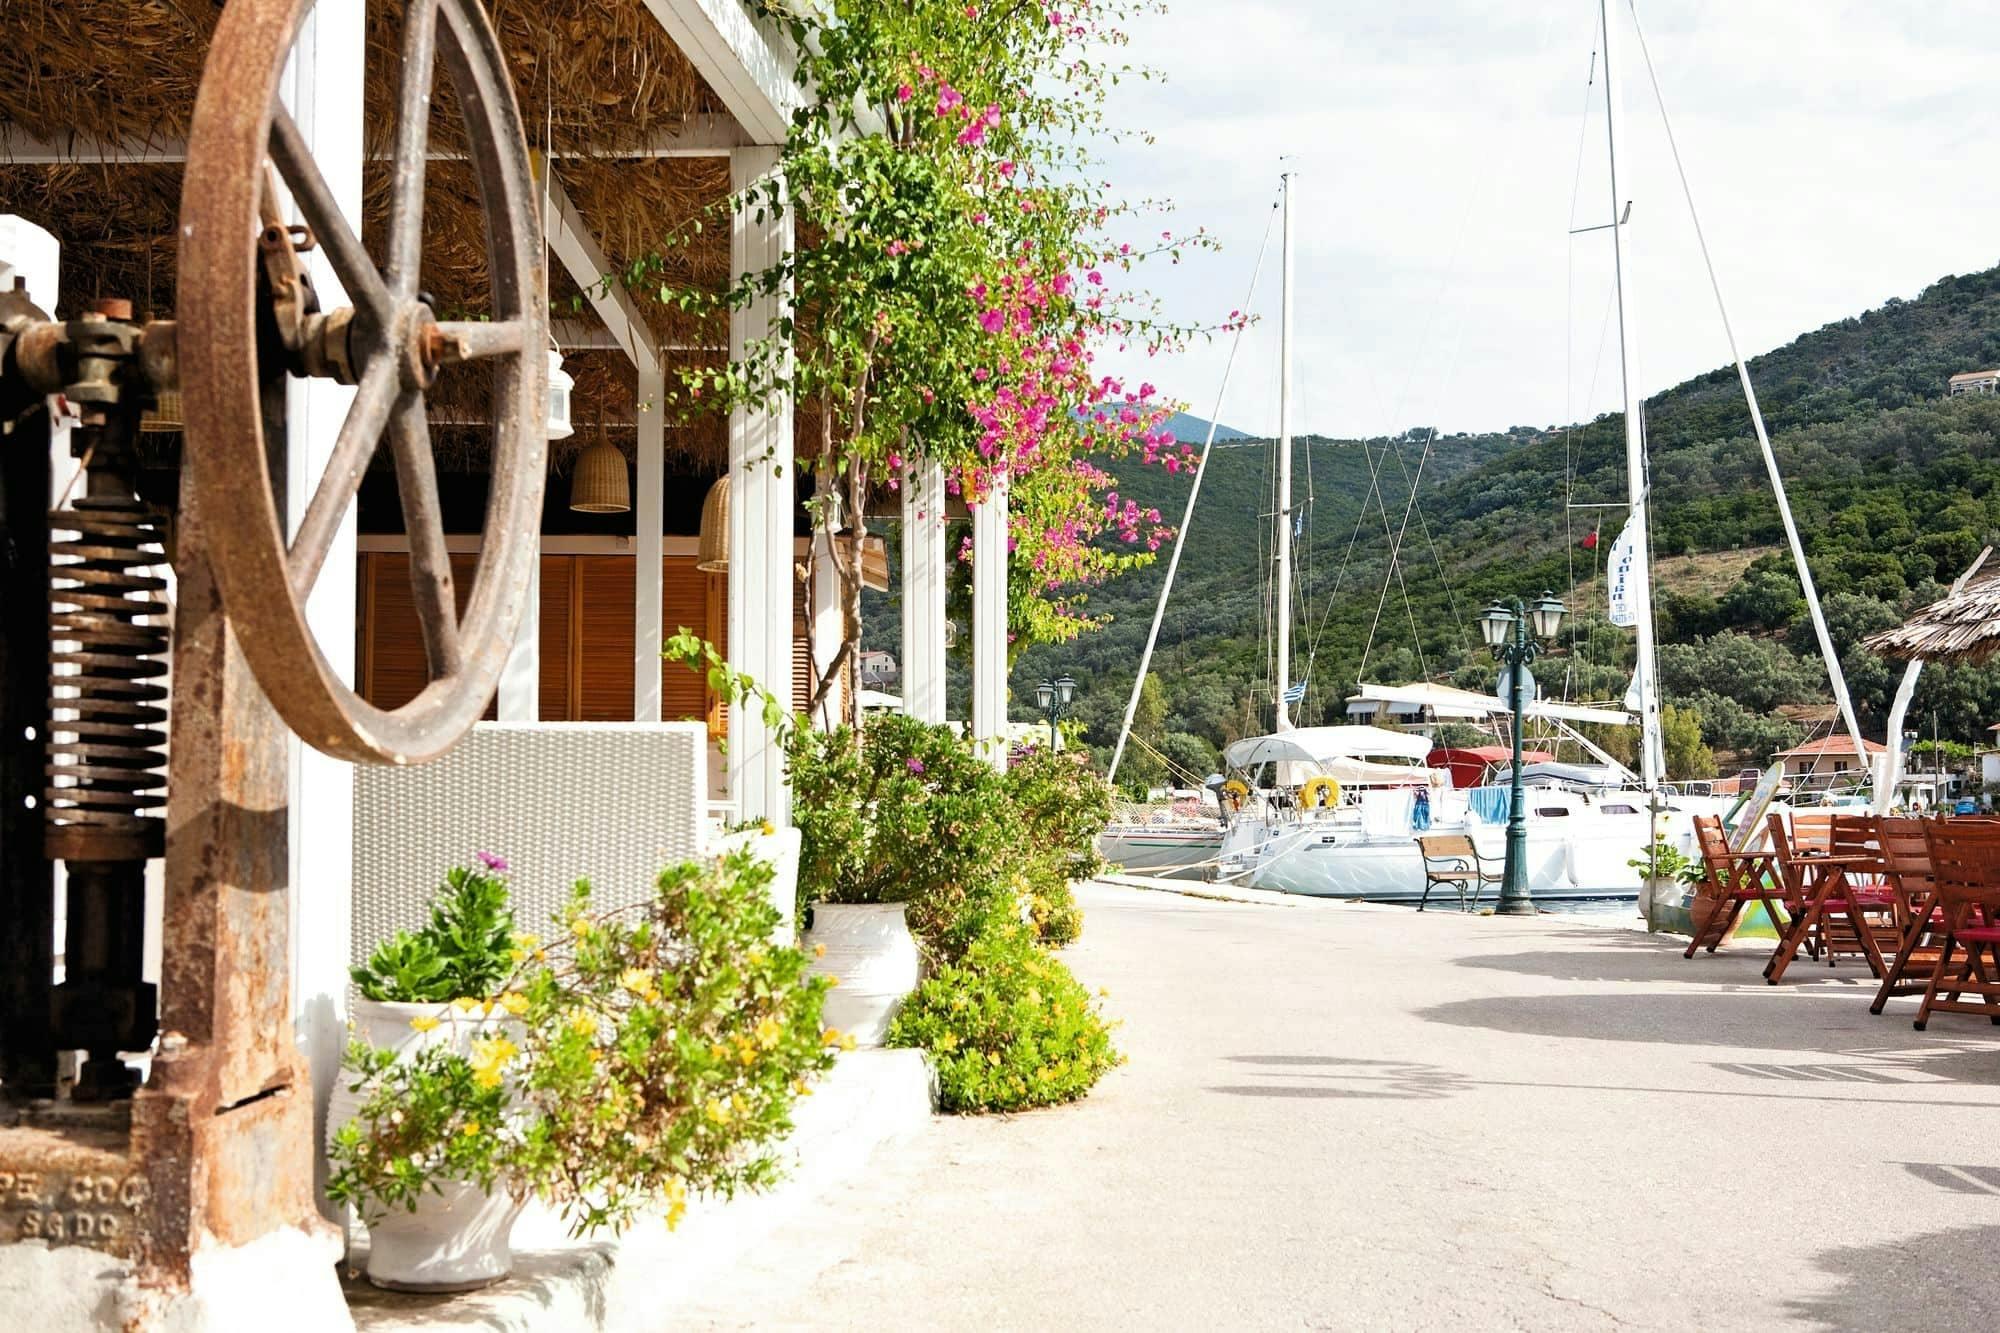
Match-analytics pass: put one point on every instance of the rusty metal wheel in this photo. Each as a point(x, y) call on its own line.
point(233, 254)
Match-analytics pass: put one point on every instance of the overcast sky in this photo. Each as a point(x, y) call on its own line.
point(1842, 152)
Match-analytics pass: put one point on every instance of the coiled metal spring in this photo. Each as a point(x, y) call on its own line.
point(107, 621)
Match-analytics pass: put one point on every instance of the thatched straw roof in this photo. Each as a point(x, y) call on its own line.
point(1961, 627)
point(590, 74)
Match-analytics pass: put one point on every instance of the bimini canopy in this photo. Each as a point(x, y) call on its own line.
point(1327, 747)
point(1448, 701)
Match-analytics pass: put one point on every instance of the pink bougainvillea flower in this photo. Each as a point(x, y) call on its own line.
point(904, 92)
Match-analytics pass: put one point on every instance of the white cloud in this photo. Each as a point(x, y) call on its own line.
point(1837, 148)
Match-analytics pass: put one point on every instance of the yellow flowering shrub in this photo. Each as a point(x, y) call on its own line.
point(1008, 1027)
point(646, 1055)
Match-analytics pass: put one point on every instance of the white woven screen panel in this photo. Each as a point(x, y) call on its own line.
point(560, 801)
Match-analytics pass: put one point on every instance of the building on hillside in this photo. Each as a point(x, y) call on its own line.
point(1828, 760)
point(878, 669)
point(1974, 381)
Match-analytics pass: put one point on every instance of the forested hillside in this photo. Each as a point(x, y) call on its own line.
point(1895, 489)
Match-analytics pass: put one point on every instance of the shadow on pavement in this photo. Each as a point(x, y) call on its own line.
point(1338, 1077)
point(1621, 956)
point(1940, 1280)
point(1774, 1020)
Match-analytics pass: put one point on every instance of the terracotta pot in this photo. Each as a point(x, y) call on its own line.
point(870, 949)
point(456, 1240)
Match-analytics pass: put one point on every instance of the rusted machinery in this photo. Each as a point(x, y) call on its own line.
point(216, 1147)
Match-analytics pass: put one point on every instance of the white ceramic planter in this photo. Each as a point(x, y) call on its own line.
point(456, 1240)
point(780, 848)
point(870, 949)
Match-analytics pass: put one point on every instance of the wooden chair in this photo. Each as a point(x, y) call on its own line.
point(1906, 866)
point(1730, 882)
point(1965, 874)
point(1453, 859)
point(1818, 892)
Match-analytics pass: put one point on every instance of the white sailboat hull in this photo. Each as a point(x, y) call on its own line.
point(1579, 857)
point(1154, 847)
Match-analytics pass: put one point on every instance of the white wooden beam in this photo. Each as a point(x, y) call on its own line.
point(923, 592)
point(519, 698)
point(989, 624)
point(322, 87)
point(583, 335)
point(649, 630)
point(761, 504)
point(746, 61)
point(710, 137)
point(584, 259)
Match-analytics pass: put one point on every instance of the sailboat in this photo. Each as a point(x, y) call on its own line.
point(1293, 824)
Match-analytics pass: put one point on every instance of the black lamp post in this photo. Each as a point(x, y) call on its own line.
point(1054, 696)
point(1514, 633)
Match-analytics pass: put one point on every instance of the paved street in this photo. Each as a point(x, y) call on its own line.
point(1350, 1117)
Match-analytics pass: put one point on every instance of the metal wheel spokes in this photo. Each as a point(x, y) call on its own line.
point(394, 347)
point(413, 139)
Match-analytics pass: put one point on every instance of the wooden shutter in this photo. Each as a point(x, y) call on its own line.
point(684, 605)
point(557, 702)
point(605, 588)
point(802, 658)
point(392, 666)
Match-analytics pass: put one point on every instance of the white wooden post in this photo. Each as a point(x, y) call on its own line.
point(989, 624)
point(826, 627)
point(923, 592)
point(761, 502)
point(649, 630)
point(323, 90)
point(520, 694)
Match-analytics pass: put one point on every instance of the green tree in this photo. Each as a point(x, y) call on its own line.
point(1149, 732)
point(1680, 735)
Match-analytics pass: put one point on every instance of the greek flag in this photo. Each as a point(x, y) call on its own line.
point(1295, 693)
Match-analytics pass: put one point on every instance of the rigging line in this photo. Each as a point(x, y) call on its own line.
point(1194, 490)
point(1373, 493)
point(1394, 571)
point(1835, 677)
point(1569, 360)
point(1396, 545)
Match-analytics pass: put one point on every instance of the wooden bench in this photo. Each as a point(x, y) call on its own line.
point(1453, 859)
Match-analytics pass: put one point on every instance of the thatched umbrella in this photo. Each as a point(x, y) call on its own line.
point(1963, 626)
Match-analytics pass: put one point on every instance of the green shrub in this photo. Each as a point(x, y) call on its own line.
point(907, 813)
point(1008, 1027)
point(1061, 807)
point(1053, 912)
point(466, 949)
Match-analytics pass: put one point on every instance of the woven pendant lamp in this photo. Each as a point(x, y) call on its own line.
point(712, 555)
point(600, 485)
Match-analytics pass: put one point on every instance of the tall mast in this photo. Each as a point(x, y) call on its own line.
point(1281, 548)
point(1645, 680)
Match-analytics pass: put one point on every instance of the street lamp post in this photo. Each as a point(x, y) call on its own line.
point(1514, 633)
point(1054, 696)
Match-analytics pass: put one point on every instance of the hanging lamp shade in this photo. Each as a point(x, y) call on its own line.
point(600, 485)
point(712, 555)
point(561, 382)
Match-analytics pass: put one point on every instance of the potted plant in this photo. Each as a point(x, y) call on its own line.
point(1665, 876)
point(905, 836)
point(643, 1054)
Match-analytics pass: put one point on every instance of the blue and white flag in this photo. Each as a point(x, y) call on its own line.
point(1295, 693)
point(1626, 577)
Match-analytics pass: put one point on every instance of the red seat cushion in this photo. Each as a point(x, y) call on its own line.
point(1980, 935)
